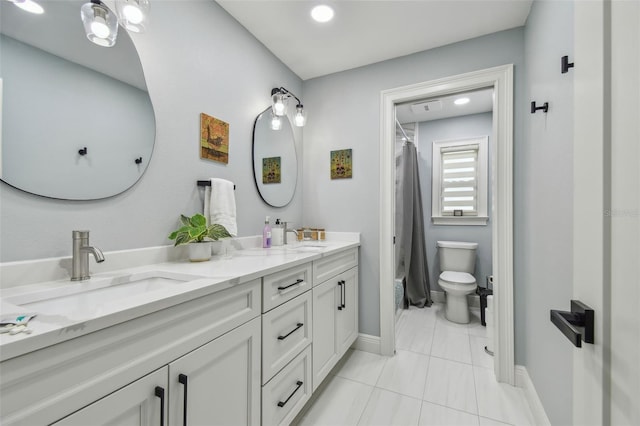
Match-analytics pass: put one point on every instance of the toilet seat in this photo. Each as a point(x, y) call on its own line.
point(457, 285)
point(457, 282)
point(453, 277)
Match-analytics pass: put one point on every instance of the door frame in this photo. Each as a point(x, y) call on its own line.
point(501, 80)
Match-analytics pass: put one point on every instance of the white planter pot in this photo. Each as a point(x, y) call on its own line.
point(199, 252)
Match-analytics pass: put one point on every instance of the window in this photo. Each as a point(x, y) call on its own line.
point(459, 193)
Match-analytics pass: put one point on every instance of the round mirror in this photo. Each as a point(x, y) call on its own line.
point(275, 164)
point(77, 121)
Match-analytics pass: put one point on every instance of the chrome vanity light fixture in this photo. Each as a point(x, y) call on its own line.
point(100, 24)
point(29, 6)
point(276, 122)
point(133, 14)
point(279, 99)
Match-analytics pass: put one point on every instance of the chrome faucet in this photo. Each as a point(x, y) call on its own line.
point(80, 260)
point(287, 230)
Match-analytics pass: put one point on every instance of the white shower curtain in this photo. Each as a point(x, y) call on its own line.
point(411, 255)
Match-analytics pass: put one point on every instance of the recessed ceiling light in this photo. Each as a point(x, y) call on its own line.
point(29, 6)
point(322, 13)
point(461, 101)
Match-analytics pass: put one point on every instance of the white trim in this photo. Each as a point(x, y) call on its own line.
point(367, 343)
point(523, 381)
point(464, 220)
point(501, 79)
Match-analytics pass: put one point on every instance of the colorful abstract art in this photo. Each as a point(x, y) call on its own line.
point(271, 170)
point(341, 164)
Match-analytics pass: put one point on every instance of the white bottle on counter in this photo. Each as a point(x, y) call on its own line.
point(277, 234)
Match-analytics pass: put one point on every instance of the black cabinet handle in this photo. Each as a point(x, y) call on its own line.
point(283, 403)
point(344, 294)
point(182, 378)
point(160, 394)
point(298, 281)
point(340, 305)
point(291, 332)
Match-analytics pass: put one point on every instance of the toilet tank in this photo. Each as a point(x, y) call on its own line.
point(457, 256)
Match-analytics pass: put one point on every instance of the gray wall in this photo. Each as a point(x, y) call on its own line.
point(467, 126)
point(344, 112)
point(544, 199)
point(196, 58)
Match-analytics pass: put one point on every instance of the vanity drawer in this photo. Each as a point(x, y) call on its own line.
point(285, 395)
point(330, 266)
point(285, 285)
point(286, 330)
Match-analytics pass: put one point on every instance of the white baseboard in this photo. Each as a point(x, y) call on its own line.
point(367, 343)
point(524, 382)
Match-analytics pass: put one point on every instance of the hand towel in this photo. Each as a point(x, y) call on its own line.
point(220, 205)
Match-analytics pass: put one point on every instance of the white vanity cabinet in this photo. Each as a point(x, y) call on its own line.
point(216, 384)
point(248, 353)
point(335, 311)
point(213, 334)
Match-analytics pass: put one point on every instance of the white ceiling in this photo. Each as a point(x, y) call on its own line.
point(364, 32)
point(413, 112)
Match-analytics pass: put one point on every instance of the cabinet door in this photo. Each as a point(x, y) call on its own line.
point(347, 322)
point(218, 383)
point(325, 344)
point(140, 403)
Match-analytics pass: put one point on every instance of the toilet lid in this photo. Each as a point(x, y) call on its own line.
point(457, 277)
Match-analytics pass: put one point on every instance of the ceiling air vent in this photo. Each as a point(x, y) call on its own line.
point(427, 106)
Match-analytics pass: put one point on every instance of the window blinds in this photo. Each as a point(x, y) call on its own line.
point(459, 177)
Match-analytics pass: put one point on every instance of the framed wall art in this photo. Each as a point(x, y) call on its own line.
point(342, 164)
point(214, 139)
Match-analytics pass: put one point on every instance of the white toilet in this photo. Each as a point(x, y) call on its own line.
point(457, 263)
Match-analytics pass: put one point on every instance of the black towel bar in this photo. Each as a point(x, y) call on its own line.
point(208, 183)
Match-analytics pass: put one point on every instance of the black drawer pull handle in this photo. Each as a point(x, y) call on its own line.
point(182, 378)
point(291, 332)
point(298, 281)
point(160, 394)
point(344, 294)
point(341, 305)
point(282, 404)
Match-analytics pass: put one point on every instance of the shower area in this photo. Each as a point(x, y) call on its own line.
point(411, 283)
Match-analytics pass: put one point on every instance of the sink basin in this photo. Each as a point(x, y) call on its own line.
point(307, 247)
point(86, 298)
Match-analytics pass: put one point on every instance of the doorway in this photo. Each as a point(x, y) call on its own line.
point(500, 79)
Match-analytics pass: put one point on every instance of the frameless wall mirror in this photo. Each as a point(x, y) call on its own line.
point(77, 121)
point(275, 164)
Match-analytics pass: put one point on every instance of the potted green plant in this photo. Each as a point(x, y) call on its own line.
point(198, 235)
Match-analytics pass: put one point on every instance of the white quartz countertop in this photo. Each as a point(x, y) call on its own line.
point(203, 278)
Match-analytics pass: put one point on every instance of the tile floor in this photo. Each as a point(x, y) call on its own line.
point(440, 375)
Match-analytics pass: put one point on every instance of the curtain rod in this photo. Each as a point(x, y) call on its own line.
point(402, 130)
